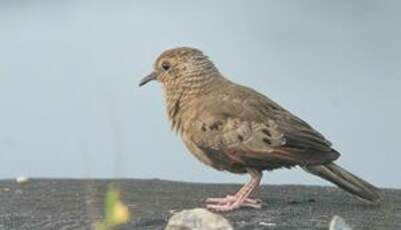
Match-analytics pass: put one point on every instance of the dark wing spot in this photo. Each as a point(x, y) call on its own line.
point(241, 138)
point(215, 126)
point(267, 141)
point(203, 128)
point(267, 132)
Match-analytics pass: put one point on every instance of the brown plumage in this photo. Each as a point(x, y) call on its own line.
point(234, 128)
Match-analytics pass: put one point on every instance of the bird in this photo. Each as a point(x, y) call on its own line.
point(234, 128)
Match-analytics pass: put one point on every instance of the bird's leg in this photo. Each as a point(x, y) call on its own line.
point(240, 199)
point(233, 198)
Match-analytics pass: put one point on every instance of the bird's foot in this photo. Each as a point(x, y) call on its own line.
point(230, 203)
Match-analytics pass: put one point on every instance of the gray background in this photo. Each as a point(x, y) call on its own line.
point(70, 105)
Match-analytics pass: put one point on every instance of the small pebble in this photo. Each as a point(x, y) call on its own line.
point(338, 223)
point(22, 179)
point(267, 224)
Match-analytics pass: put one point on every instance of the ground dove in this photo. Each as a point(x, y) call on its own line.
point(234, 128)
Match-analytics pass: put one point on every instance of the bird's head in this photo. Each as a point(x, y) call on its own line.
point(181, 67)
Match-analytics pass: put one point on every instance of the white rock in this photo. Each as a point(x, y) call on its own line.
point(338, 223)
point(22, 179)
point(270, 224)
point(197, 219)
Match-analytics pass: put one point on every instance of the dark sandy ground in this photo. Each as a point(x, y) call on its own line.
point(77, 204)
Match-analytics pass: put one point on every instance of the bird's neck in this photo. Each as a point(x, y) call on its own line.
point(180, 97)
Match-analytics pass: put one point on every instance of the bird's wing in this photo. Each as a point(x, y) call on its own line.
point(248, 129)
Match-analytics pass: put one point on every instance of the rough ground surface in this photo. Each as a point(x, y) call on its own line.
point(77, 204)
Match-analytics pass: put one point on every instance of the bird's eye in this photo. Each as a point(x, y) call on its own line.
point(166, 66)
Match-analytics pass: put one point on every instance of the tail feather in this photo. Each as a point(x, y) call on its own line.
point(345, 180)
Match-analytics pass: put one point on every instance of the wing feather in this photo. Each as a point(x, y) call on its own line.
point(250, 130)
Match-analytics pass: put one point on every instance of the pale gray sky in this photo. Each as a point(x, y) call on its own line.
point(70, 105)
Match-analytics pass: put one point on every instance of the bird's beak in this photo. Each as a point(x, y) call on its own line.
point(147, 79)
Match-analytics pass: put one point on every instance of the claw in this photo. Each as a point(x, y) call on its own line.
point(240, 199)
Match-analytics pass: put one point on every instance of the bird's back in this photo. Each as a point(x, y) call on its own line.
point(235, 127)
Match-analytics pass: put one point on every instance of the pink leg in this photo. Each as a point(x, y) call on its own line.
point(240, 199)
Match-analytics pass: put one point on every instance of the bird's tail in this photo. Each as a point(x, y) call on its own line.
point(345, 180)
